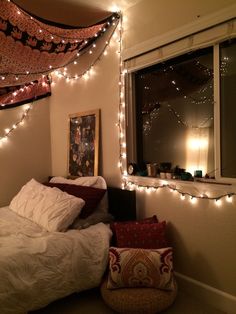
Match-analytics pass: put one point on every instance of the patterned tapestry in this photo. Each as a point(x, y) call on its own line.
point(30, 48)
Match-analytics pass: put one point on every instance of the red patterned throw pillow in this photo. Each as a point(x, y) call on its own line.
point(141, 235)
point(140, 268)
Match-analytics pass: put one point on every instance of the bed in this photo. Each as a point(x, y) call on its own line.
point(44, 257)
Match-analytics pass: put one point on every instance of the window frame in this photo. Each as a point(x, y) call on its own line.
point(131, 110)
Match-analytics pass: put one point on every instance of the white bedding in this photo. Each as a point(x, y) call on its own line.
point(38, 267)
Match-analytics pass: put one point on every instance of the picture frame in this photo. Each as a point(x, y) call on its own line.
point(83, 143)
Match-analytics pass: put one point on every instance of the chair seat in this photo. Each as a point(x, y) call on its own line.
point(137, 300)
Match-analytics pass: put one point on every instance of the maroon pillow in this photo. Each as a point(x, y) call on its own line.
point(141, 235)
point(90, 195)
point(150, 220)
point(60, 186)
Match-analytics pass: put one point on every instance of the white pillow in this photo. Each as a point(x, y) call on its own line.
point(95, 182)
point(48, 207)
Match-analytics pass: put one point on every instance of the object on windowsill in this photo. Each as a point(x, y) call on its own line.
point(168, 175)
point(186, 176)
point(198, 173)
point(162, 175)
point(142, 173)
point(152, 170)
point(165, 166)
point(132, 168)
point(178, 171)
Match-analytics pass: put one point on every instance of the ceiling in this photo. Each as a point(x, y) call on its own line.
point(74, 12)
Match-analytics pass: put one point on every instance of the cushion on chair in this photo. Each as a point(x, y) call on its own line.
point(137, 300)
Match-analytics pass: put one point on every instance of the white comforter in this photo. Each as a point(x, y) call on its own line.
point(37, 266)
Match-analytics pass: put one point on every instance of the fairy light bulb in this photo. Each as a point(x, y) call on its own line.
point(193, 200)
point(218, 202)
point(121, 115)
point(182, 196)
point(148, 190)
point(229, 198)
point(139, 188)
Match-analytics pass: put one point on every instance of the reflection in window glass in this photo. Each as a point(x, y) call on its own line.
point(228, 108)
point(174, 112)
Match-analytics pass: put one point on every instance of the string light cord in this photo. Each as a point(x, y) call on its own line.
point(8, 131)
point(184, 123)
point(121, 115)
point(77, 76)
point(131, 184)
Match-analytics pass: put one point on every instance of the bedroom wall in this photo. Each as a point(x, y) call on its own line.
point(203, 235)
point(27, 152)
point(100, 91)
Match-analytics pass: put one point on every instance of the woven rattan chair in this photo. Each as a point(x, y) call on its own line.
point(137, 300)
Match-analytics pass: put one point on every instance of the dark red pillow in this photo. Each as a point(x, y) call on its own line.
point(150, 220)
point(60, 186)
point(90, 195)
point(141, 235)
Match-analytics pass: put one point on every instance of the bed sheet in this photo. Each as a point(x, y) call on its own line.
point(38, 267)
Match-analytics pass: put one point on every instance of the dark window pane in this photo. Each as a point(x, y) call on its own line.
point(228, 108)
point(174, 112)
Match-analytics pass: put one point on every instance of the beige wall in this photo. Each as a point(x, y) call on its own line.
point(99, 92)
point(151, 18)
point(27, 152)
point(203, 236)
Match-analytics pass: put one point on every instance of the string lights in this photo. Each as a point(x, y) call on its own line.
point(62, 73)
point(127, 181)
point(122, 163)
point(129, 184)
point(51, 38)
point(8, 131)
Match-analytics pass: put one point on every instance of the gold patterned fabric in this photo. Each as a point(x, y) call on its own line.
point(30, 47)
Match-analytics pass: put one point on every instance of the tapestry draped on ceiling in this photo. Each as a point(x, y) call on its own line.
point(31, 49)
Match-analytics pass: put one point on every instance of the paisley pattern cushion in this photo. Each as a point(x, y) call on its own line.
point(140, 268)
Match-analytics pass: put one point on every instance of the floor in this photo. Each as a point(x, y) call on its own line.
point(90, 302)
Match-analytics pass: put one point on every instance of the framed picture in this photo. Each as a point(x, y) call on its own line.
point(83, 143)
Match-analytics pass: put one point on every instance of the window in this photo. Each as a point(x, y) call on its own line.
point(228, 108)
point(174, 112)
point(174, 108)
